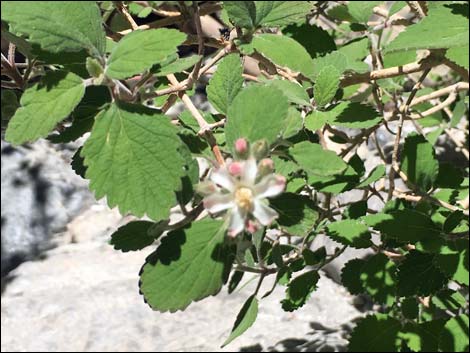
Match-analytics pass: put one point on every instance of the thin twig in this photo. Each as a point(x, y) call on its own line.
point(203, 125)
point(396, 145)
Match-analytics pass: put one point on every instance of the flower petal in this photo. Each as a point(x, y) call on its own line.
point(237, 222)
point(218, 202)
point(249, 171)
point(222, 177)
point(264, 214)
point(271, 185)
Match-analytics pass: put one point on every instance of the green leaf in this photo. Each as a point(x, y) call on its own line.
point(423, 337)
point(241, 13)
point(407, 226)
point(280, 13)
point(293, 123)
point(376, 174)
point(252, 14)
point(297, 213)
point(235, 281)
point(134, 236)
point(245, 319)
point(417, 275)
point(432, 34)
point(314, 39)
point(326, 85)
point(285, 52)
point(375, 333)
point(315, 160)
point(299, 289)
point(189, 265)
point(138, 51)
point(345, 114)
point(294, 92)
point(374, 276)
point(70, 26)
point(418, 162)
point(362, 10)
point(226, 83)
point(44, 105)
point(178, 65)
point(454, 336)
point(133, 159)
point(9, 105)
point(452, 260)
point(340, 182)
point(459, 55)
point(449, 300)
point(257, 112)
point(84, 114)
point(349, 232)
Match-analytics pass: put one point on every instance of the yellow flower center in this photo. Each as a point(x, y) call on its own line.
point(244, 198)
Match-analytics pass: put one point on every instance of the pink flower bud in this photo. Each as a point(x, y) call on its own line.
point(281, 180)
point(241, 147)
point(235, 168)
point(251, 226)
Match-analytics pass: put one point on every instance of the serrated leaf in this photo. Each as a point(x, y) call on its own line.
point(245, 319)
point(251, 14)
point(72, 26)
point(345, 114)
point(297, 213)
point(375, 333)
point(315, 160)
point(459, 55)
point(285, 52)
point(279, 13)
point(326, 85)
point(418, 162)
point(417, 275)
point(178, 65)
point(134, 236)
point(189, 265)
point(339, 182)
point(226, 83)
point(452, 260)
point(376, 174)
point(374, 276)
point(241, 13)
point(83, 115)
point(362, 10)
point(335, 58)
point(349, 232)
point(139, 50)
point(299, 289)
point(431, 32)
point(454, 336)
point(133, 159)
point(294, 92)
point(404, 225)
point(423, 337)
point(257, 112)
point(44, 105)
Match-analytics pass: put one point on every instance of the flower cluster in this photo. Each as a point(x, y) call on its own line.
point(241, 187)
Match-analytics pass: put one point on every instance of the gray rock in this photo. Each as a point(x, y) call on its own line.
point(40, 194)
point(84, 297)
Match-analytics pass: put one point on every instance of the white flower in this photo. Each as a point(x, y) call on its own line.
point(241, 187)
